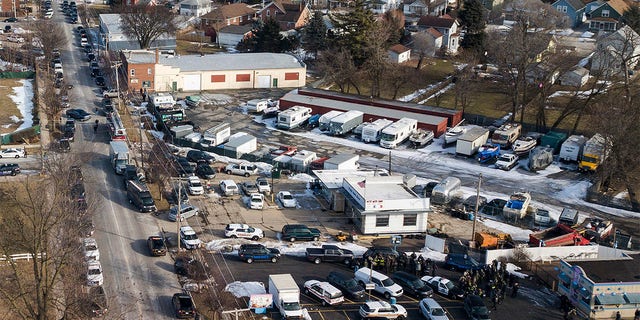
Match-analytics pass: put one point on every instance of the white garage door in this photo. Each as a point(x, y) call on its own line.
point(191, 82)
point(264, 82)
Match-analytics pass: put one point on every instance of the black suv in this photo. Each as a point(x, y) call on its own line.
point(347, 284)
point(475, 308)
point(412, 284)
point(200, 156)
point(258, 252)
point(183, 306)
point(205, 171)
point(293, 232)
point(9, 169)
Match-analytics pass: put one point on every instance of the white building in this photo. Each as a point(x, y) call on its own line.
point(331, 184)
point(379, 205)
point(195, 7)
point(114, 39)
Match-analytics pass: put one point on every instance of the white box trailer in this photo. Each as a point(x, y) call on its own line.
point(470, 141)
point(293, 117)
point(345, 122)
point(398, 132)
point(325, 119)
point(301, 161)
point(241, 144)
point(119, 156)
point(286, 295)
point(257, 105)
point(342, 162)
point(372, 132)
point(571, 149)
point(216, 135)
point(162, 100)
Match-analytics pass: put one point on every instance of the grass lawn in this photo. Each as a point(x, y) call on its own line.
point(184, 47)
point(485, 97)
point(9, 108)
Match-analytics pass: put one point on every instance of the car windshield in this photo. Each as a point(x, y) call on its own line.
point(287, 197)
point(449, 285)
point(91, 247)
point(256, 199)
point(94, 271)
point(417, 283)
point(387, 282)
point(147, 201)
point(185, 303)
point(437, 312)
point(291, 306)
point(481, 310)
point(504, 158)
point(351, 283)
point(196, 184)
point(157, 243)
point(189, 237)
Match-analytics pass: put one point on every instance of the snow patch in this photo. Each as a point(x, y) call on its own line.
point(245, 289)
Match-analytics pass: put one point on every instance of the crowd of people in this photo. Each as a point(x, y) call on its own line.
point(492, 281)
point(389, 263)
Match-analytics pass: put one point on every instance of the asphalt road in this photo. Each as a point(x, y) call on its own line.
point(138, 286)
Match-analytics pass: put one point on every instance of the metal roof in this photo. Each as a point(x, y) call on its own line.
point(239, 141)
point(232, 61)
point(377, 111)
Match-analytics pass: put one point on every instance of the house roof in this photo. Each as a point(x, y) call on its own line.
point(235, 61)
point(200, 3)
point(579, 71)
point(290, 11)
point(611, 271)
point(139, 56)
point(433, 32)
point(444, 21)
point(618, 5)
point(233, 29)
point(575, 4)
point(398, 48)
point(229, 11)
point(112, 22)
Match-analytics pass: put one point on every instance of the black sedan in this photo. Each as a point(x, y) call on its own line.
point(205, 171)
point(12, 19)
point(200, 156)
point(78, 114)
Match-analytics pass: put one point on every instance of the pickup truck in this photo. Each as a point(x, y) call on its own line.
point(329, 253)
point(285, 150)
point(507, 161)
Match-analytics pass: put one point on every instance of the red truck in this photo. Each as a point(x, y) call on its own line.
point(285, 150)
point(560, 235)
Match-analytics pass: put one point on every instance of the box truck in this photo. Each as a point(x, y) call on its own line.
point(286, 295)
point(345, 122)
point(571, 148)
point(119, 156)
point(216, 135)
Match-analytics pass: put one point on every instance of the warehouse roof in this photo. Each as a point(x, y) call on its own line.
point(232, 61)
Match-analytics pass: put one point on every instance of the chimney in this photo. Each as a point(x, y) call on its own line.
point(157, 55)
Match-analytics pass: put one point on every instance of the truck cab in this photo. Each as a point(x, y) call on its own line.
point(286, 295)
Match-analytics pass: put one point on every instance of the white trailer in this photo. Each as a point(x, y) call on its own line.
point(162, 100)
point(470, 141)
point(301, 160)
point(342, 162)
point(398, 132)
point(119, 156)
point(345, 122)
point(286, 295)
point(372, 132)
point(241, 143)
point(571, 149)
point(257, 105)
point(325, 119)
point(293, 117)
point(216, 135)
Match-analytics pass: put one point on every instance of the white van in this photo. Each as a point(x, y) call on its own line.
point(228, 188)
point(383, 284)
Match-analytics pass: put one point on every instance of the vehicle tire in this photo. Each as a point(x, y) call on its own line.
point(234, 237)
point(315, 239)
point(249, 260)
point(317, 260)
point(0, 157)
point(274, 260)
point(13, 173)
point(387, 295)
point(246, 174)
point(324, 303)
point(400, 318)
point(292, 239)
point(361, 284)
point(229, 172)
point(255, 238)
point(17, 157)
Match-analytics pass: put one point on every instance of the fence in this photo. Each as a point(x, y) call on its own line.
point(17, 75)
point(21, 256)
point(20, 136)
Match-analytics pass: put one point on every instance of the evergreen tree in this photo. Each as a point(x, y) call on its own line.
point(473, 22)
point(352, 32)
point(314, 35)
point(267, 38)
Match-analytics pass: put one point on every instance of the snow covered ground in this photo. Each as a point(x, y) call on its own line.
point(23, 98)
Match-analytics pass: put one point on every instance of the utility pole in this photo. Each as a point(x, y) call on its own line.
point(389, 162)
point(178, 212)
point(475, 214)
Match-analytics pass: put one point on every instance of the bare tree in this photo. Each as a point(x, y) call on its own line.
point(146, 23)
point(338, 68)
point(424, 46)
point(378, 60)
point(51, 35)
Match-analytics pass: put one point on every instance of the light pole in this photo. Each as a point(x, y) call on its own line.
point(475, 214)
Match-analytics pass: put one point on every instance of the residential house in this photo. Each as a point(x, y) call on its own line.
point(379, 7)
point(194, 7)
point(399, 53)
point(230, 36)
point(434, 39)
point(139, 66)
point(231, 14)
point(289, 15)
point(419, 8)
point(492, 5)
point(114, 39)
point(541, 73)
point(601, 289)
point(616, 52)
point(10, 7)
point(576, 77)
point(574, 9)
point(447, 26)
point(607, 16)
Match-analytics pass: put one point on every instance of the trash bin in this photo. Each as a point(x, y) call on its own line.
point(392, 300)
point(275, 174)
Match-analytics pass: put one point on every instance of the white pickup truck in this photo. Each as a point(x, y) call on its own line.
point(507, 161)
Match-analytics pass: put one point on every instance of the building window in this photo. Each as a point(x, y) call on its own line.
point(243, 77)
point(382, 220)
point(218, 78)
point(410, 220)
point(268, 13)
point(133, 72)
point(292, 76)
point(146, 84)
point(605, 13)
point(149, 71)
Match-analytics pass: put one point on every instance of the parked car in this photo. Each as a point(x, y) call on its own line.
point(12, 19)
point(90, 249)
point(432, 310)
point(111, 93)
point(237, 230)
point(94, 274)
point(189, 238)
point(78, 114)
point(9, 169)
point(412, 284)
point(205, 171)
point(200, 156)
point(186, 211)
point(286, 199)
point(183, 306)
point(183, 167)
point(475, 308)
point(444, 287)
point(293, 232)
point(263, 185)
point(242, 169)
point(383, 284)
point(256, 201)
point(257, 252)
point(249, 187)
point(459, 261)
point(347, 284)
point(156, 246)
point(328, 294)
point(100, 81)
point(12, 153)
point(382, 310)
point(194, 186)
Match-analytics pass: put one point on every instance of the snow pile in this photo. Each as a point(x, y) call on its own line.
point(514, 270)
point(245, 289)
point(23, 98)
point(302, 177)
point(427, 253)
